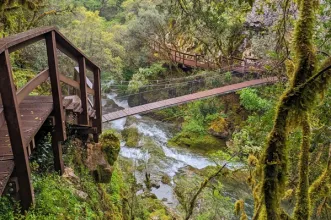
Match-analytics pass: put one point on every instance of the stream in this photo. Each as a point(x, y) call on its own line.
point(155, 155)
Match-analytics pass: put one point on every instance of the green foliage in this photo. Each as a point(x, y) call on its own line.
point(251, 101)
point(42, 157)
point(139, 79)
point(228, 77)
point(197, 141)
point(110, 145)
point(6, 208)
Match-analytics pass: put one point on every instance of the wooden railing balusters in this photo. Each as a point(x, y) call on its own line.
point(83, 117)
point(13, 118)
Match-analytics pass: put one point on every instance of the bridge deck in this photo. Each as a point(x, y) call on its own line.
point(187, 98)
point(34, 111)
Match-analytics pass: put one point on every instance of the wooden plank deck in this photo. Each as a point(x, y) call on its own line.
point(34, 111)
point(187, 98)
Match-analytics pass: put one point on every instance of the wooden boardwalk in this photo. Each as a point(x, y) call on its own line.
point(22, 116)
point(200, 61)
point(184, 99)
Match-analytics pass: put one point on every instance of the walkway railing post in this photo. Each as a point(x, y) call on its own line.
point(83, 117)
point(59, 134)
point(97, 104)
point(13, 118)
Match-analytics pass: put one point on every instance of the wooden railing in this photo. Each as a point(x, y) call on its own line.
point(200, 60)
point(11, 98)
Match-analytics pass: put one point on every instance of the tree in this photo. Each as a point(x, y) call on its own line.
point(308, 79)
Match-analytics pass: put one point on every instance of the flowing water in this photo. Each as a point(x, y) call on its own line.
point(156, 155)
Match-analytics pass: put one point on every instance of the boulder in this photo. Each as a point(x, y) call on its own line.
point(219, 128)
point(131, 136)
point(81, 194)
point(101, 157)
point(70, 175)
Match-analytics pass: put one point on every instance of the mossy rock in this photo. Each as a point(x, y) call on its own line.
point(193, 140)
point(103, 174)
point(152, 148)
point(131, 120)
point(110, 145)
point(166, 179)
point(131, 136)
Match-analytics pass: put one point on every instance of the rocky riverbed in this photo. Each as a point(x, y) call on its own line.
point(170, 169)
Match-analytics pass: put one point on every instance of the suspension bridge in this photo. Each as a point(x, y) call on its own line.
point(158, 94)
point(186, 98)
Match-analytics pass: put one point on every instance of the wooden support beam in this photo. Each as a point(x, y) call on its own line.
point(97, 122)
point(13, 118)
point(83, 117)
point(56, 87)
point(57, 152)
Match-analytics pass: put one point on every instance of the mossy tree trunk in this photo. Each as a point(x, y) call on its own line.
point(291, 112)
point(302, 211)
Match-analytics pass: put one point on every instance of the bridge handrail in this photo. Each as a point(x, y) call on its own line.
point(156, 45)
point(54, 37)
point(11, 98)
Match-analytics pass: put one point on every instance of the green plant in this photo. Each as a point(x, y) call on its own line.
point(110, 145)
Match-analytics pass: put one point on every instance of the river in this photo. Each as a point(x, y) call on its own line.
point(156, 155)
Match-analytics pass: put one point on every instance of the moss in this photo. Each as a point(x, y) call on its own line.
point(219, 125)
point(252, 160)
point(293, 106)
point(165, 179)
point(110, 145)
point(302, 208)
point(153, 148)
point(239, 207)
point(193, 140)
point(103, 174)
point(131, 136)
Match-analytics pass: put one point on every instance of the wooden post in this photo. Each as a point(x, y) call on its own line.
point(97, 104)
point(13, 118)
point(196, 60)
point(56, 87)
point(57, 152)
point(59, 133)
point(83, 117)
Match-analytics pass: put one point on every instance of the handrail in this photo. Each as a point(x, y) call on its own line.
point(195, 56)
point(31, 85)
point(42, 77)
point(74, 84)
point(11, 99)
point(15, 42)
